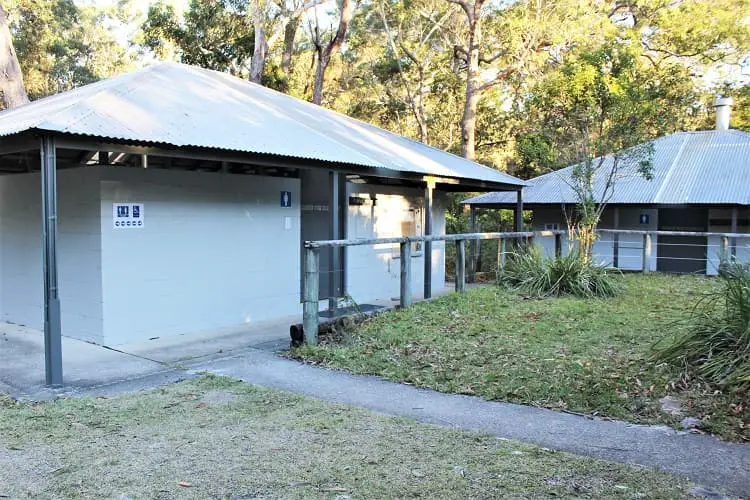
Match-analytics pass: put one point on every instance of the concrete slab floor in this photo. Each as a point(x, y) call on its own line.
point(87, 366)
point(84, 364)
point(176, 349)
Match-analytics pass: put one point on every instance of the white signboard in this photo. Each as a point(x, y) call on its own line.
point(127, 215)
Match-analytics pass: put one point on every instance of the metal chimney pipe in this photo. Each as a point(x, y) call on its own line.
point(723, 106)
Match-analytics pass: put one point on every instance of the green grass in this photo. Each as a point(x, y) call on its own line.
point(225, 439)
point(580, 355)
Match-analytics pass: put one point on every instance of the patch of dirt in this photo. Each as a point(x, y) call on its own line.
point(218, 397)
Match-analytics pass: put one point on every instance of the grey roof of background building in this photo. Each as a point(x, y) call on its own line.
point(706, 167)
point(184, 106)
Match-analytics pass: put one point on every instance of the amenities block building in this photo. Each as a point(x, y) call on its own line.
point(176, 200)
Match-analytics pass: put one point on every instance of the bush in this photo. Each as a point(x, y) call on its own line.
point(716, 345)
point(531, 273)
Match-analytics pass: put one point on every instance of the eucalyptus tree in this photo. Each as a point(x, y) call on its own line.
point(600, 110)
point(417, 44)
point(327, 42)
point(508, 39)
point(281, 18)
point(215, 35)
point(61, 45)
point(11, 77)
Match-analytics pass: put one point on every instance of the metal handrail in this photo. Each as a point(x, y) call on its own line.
point(312, 258)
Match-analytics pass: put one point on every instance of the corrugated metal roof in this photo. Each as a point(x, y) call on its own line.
point(706, 167)
point(185, 106)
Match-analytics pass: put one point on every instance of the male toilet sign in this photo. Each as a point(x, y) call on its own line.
point(644, 219)
point(286, 199)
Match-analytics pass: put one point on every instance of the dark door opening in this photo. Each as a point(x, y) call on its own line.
point(682, 254)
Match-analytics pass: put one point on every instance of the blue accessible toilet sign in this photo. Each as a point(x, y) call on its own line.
point(286, 199)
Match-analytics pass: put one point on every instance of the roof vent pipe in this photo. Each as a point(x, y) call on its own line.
point(723, 107)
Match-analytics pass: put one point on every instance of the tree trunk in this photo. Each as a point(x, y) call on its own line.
point(11, 78)
point(325, 53)
point(290, 33)
point(260, 50)
point(320, 74)
point(473, 92)
point(422, 114)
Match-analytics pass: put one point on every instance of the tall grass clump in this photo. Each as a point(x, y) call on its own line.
point(716, 343)
point(531, 273)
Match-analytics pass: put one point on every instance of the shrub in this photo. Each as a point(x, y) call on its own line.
point(529, 272)
point(716, 345)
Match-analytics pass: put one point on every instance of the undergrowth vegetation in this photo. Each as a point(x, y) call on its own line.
point(531, 273)
point(715, 342)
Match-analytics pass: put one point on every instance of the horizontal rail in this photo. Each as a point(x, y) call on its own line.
point(673, 233)
point(497, 236)
point(434, 237)
point(646, 256)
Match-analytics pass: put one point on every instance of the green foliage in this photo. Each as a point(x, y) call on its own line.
point(716, 345)
point(216, 35)
point(400, 68)
point(529, 272)
point(62, 45)
point(535, 153)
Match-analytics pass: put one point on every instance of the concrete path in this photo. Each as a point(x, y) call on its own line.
point(703, 459)
point(93, 370)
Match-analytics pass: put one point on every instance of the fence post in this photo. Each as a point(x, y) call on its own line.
point(558, 245)
point(472, 245)
point(647, 252)
point(500, 255)
point(310, 296)
point(724, 253)
point(460, 266)
point(405, 274)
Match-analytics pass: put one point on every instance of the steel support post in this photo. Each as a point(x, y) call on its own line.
point(518, 216)
point(52, 324)
point(472, 244)
point(428, 195)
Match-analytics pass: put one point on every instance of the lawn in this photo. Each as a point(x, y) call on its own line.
point(214, 437)
point(581, 355)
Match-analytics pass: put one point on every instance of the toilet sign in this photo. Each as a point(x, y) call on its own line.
point(644, 219)
point(127, 215)
point(286, 199)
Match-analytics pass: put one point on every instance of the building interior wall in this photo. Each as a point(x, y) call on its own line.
point(374, 271)
point(215, 251)
point(78, 250)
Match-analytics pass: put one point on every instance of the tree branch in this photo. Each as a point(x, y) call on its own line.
point(466, 8)
point(499, 78)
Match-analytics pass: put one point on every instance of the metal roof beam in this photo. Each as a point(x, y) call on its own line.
point(273, 161)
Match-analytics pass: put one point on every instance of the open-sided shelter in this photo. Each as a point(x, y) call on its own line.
point(701, 183)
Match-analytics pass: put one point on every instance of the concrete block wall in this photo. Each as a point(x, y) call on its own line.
point(373, 272)
point(714, 242)
point(630, 253)
point(215, 251)
point(79, 252)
